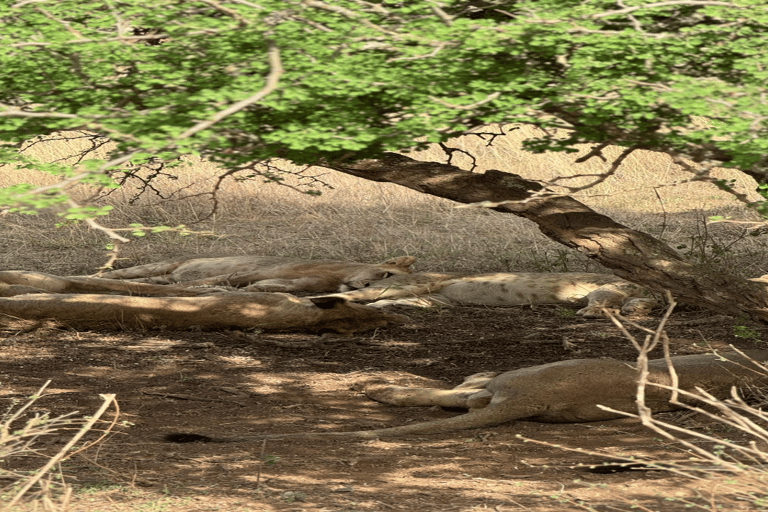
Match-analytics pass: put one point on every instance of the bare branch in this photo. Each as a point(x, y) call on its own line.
point(230, 12)
point(272, 81)
point(447, 19)
point(27, 2)
point(632, 19)
point(99, 227)
point(373, 6)
point(108, 399)
point(487, 99)
point(62, 22)
point(583, 30)
point(628, 10)
point(12, 111)
point(347, 13)
point(249, 4)
point(121, 24)
point(434, 52)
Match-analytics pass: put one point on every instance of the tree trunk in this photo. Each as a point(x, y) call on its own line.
point(633, 255)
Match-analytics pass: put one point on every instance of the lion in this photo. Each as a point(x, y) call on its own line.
point(571, 391)
point(266, 273)
point(601, 291)
point(225, 310)
point(21, 282)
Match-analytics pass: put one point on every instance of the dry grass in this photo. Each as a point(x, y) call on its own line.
point(21, 429)
point(359, 220)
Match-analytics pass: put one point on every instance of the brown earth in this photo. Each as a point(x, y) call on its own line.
point(232, 383)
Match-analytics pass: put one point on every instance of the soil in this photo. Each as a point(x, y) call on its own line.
point(229, 384)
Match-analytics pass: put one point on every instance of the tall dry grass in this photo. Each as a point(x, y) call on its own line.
point(21, 430)
point(360, 220)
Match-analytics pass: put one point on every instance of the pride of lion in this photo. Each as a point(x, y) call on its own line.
point(251, 292)
point(137, 300)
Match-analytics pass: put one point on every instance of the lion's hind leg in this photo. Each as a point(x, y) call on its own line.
point(458, 397)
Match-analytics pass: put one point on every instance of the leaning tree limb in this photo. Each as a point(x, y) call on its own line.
point(633, 255)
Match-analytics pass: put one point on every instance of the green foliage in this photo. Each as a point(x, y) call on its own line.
point(271, 460)
point(743, 331)
point(358, 78)
point(86, 212)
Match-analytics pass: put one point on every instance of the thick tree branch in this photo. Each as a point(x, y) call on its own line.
point(632, 255)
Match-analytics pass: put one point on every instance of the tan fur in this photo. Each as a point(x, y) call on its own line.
point(228, 310)
point(570, 391)
point(508, 289)
point(19, 282)
point(265, 273)
point(562, 392)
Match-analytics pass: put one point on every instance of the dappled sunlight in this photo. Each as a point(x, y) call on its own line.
point(232, 384)
point(155, 147)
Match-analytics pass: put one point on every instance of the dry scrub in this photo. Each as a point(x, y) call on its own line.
point(728, 474)
point(362, 221)
point(21, 429)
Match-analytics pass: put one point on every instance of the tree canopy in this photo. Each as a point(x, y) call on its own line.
point(343, 83)
point(314, 81)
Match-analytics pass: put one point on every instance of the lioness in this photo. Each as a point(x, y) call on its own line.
point(266, 273)
point(507, 289)
point(562, 392)
point(226, 310)
point(20, 282)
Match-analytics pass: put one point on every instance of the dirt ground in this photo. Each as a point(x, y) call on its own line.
point(227, 384)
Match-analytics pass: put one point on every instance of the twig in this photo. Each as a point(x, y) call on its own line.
point(180, 396)
point(273, 78)
point(261, 462)
point(628, 10)
point(487, 99)
point(108, 400)
point(447, 19)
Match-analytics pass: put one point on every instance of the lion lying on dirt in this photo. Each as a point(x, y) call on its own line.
point(562, 392)
point(266, 273)
point(20, 282)
point(227, 310)
point(508, 289)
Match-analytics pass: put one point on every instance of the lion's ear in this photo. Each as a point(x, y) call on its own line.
point(402, 261)
point(327, 302)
